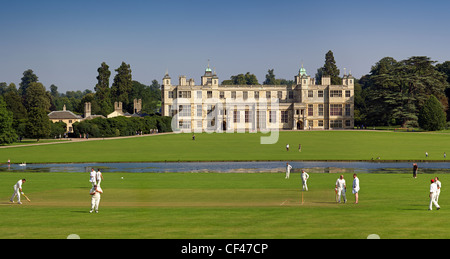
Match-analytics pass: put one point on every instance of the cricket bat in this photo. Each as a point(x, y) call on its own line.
point(26, 197)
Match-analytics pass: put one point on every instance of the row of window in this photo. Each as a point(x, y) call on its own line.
point(334, 124)
point(256, 94)
point(335, 110)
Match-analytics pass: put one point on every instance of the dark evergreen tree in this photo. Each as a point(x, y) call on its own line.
point(432, 116)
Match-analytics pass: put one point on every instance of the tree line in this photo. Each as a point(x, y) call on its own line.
point(24, 110)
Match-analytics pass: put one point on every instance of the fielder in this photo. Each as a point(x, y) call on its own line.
point(288, 170)
point(433, 190)
point(438, 184)
point(355, 187)
point(93, 177)
point(99, 177)
point(305, 177)
point(341, 188)
point(17, 191)
point(95, 201)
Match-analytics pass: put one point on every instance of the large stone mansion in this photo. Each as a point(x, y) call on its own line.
point(303, 106)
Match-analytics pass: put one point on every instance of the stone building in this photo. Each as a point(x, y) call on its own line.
point(303, 106)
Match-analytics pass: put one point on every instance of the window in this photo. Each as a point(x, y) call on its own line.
point(256, 95)
point(268, 94)
point(184, 94)
point(320, 110)
point(199, 110)
point(209, 94)
point(320, 123)
point(199, 94)
point(245, 95)
point(233, 94)
point(248, 116)
point(279, 94)
point(184, 110)
point(291, 94)
point(336, 93)
point(171, 94)
point(184, 124)
point(347, 93)
point(284, 116)
point(336, 124)
point(320, 93)
point(347, 123)
point(310, 110)
point(222, 94)
point(310, 93)
point(199, 124)
point(273, 117)
point(236, 116)
point(336, 110)
point(347, 110)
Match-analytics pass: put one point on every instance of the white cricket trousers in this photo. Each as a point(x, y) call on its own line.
point(341, 192)
point(16, 193)
point(305, 186)
point(95, 201)
point(433, 201)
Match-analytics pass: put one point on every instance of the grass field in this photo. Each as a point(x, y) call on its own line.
point(316, 145)
point(221, 205)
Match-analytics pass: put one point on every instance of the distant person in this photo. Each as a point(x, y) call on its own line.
point(355, 187)
point(305, 177)
point(438, 185)
point(445, 155)
point(433, 190)
point(17, 191)
point(299, 147)
point(415, 168)
point(193, 137)
point(426, 154)
point(95, 200)
point(288, 170)
point(341, 188)
point(287, 147)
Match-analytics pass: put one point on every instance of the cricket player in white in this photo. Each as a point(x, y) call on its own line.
point(95, 201)
point(93, 177)
point(99, 177)
point(17, 191)
point(305, 177)
point(341, 188)
point(288, 170)
point(355, 187)
point(433, 190)
point(438, 184)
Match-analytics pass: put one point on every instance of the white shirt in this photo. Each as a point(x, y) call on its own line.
point(93, 175)
point(97, 193)
point(305, 176)
point(99, 176)
point(18, 185)
point(288, 168)
point(433, 188)
point(340, 183)
point(356, 183)
point(438, 184)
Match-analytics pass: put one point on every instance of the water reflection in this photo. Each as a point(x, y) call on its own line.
point(235, 167)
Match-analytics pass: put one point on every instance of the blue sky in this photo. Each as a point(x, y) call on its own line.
point(64, 42)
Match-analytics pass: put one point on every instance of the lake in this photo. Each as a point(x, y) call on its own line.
point(235, 167)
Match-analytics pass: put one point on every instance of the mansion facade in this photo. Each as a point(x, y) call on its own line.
point(229, 108)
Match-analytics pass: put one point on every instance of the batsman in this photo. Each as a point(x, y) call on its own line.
point(17, 191)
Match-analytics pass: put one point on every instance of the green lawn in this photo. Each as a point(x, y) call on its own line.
point(316, 145)
point(221, 205)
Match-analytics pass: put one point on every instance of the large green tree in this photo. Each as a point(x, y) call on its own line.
point(102, 90)
point(396, 91)
point(122, 85)
point(432, 116)
point(7, 133)
point(330, 69)
point(37, 104)
point(28, 78)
